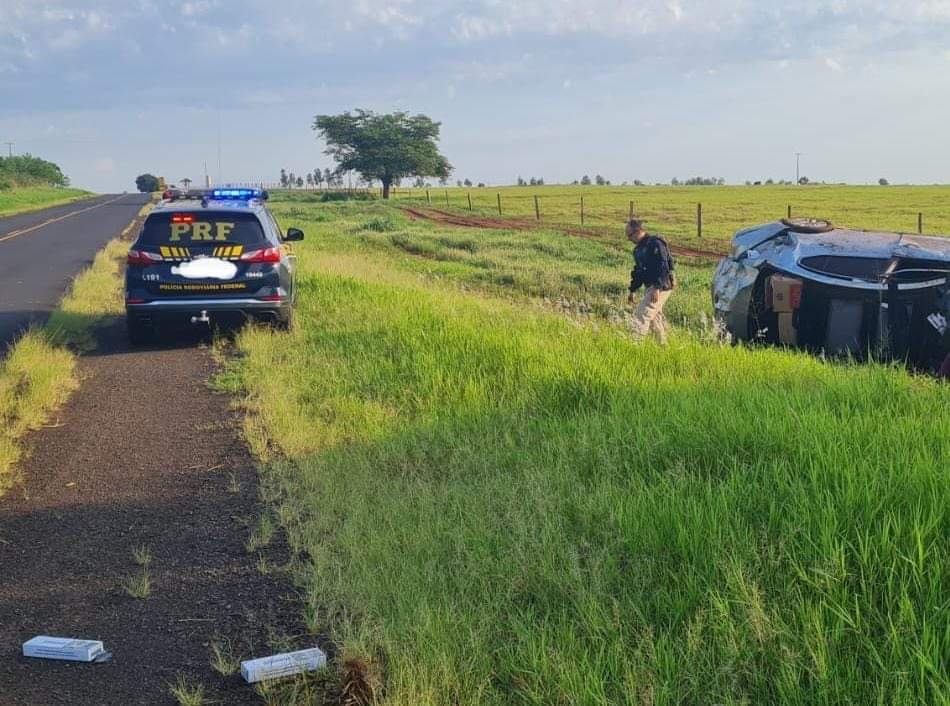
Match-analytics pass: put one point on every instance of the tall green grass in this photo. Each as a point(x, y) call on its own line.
point(35, 379)
point(32, 198)
point(496, 505)
point(575, 276)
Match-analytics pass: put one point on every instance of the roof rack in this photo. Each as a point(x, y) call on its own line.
point(190, 195)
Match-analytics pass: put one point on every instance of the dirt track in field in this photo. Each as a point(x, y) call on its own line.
point(144, 454)
point(437, 215)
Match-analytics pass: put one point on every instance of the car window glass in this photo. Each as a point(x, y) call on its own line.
point(201, 227)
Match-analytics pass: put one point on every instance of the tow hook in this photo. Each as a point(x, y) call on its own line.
point(203, 319)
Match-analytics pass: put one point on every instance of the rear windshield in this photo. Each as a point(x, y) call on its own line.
point(201, 227)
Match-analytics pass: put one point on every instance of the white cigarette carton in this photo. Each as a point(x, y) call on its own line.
point(283, 665)
point(66, 648)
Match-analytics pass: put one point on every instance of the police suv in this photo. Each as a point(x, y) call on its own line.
point(215, 257)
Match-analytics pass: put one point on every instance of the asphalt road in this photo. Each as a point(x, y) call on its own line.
point(41, 252)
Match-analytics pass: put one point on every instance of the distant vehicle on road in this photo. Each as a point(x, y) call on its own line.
point(217, 258)
point(806, 284)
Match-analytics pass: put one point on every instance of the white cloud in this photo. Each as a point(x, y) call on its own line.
point(833, 64)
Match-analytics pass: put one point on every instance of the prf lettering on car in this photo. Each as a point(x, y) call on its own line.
point(197, 230)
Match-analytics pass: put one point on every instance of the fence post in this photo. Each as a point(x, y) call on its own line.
point(428, 198)
point(537, 209)
point(582, 210)
point(699, 220)
point(499, 202)
point(446, 198)
point(789, 210)
point(631, 211)
point(920, 222)
point(469, 200)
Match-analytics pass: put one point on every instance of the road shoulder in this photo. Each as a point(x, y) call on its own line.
point(143, 457)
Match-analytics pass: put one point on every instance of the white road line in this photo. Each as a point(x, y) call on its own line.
point(24, 231)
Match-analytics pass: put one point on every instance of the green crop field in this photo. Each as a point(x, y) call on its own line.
point(32, 198)
point(494, 496)
point(672, 210)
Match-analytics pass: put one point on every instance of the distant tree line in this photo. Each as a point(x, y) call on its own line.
point(586, 181)
point(315, 179)
point(27, 170)
point(698, 181)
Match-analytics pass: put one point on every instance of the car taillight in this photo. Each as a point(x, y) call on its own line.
point(141, 258)
point(272, 298)
point(265, 255)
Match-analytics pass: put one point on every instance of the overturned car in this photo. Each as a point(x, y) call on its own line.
point(806, 284)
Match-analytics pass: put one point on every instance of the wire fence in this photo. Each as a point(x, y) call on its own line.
point(699, 214)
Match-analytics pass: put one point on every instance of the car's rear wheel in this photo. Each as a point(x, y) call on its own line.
point(140, 333)
point(808, 225)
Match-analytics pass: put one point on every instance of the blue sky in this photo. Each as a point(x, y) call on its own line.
point(632, 90)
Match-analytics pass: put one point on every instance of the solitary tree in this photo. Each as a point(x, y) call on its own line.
point(882, 181)
point(283, 178)
point(146, 183)
point(585, 180)
point(385, 147)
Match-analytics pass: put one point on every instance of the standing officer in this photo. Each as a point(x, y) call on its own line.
point(653, 269)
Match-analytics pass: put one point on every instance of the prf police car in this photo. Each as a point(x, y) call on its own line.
point(216, 257)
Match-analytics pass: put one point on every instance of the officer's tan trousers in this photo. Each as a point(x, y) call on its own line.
point(649, 314)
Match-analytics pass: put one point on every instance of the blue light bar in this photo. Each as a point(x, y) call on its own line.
point(236, 194)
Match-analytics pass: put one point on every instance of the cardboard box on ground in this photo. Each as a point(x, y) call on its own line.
point(785, 295)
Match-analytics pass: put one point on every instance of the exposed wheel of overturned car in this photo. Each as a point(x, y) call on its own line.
point(808, 225)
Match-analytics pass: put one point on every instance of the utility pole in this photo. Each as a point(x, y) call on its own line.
point(219, 145)
point(10, 147)
point(798, 157)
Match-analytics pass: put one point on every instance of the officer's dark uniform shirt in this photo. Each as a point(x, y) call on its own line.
point(652, 264)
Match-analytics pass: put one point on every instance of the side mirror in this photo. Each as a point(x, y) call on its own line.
point(293, 234)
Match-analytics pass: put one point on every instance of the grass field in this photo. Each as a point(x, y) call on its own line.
point(492, 502)
point(32, 198)
point(672, 210)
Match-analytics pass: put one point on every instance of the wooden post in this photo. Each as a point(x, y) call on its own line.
point(699, 220)
point(469, 200)
point(537, 209)
point(499, 203)
point(920, 222)
point(446, 198)
point(631, 211)
point(789, 210)
point(428, 198)
point(582, 210)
